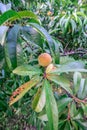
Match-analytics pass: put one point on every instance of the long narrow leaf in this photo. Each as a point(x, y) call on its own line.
point(76, 80)
point(10, 47)
point(11, 15)
point(20, 92)
point(39, 100)
point(70, 67)
point(3, 31)
point(51, 107)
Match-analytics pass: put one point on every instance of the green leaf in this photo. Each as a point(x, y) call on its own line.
point(28, 14)
point(84, 5)
point(60, 80)
point(73, 111)
point(66, 24)
point(84, 107)
point(61, 124)
point(3, 31)
point(73, 25)
point(82, 124)
point(66, 59)
point(43, 117)
point(75, 16)
point(32, 36)
point(74, 124)
point(81, 14)
point(1, 55)
point(81, 89)
point(44, 33)
point(82, 92)
point(76, 79)
point(48, 38)
point(11, 53)
point(7, 58)
point(63, 102)
point(51, 107)
point(11, 46)
point(68, 126)
point(56, 51)
point(78, 115)
point(25, 70)
point(7, 16)
point(11, 15)
point(39, 100)
point(70, 67)
point(20, 55)
point(62, 21)
point(80, 24)
point(21, 91)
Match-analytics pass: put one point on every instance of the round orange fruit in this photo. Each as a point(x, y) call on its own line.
point(50, 68)
point(49, 13)
point(44, 59)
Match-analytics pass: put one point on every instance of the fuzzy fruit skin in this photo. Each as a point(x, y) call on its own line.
point(44, 59)
point(49, 68)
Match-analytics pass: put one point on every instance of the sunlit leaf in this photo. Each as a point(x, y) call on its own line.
point(11, 15)
point(70, 67)
point(25, 70)
point(81, 88)
point(39, 100)
point(75, 16)
point(51, 107)
point(82, 92)
point(43, 117)
point(3, 31)
point(76, 79)
point(81, 14)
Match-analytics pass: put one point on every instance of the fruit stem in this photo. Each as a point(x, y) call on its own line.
point(68, 117)
point(44, 75)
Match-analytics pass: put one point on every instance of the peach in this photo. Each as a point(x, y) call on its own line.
point(44, 59)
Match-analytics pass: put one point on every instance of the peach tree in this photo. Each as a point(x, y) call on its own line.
point(65, 109)
point(61, 93)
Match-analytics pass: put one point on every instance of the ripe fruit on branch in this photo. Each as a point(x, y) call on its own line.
point(49, 13)
point(49, 68)
point(44, 59)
